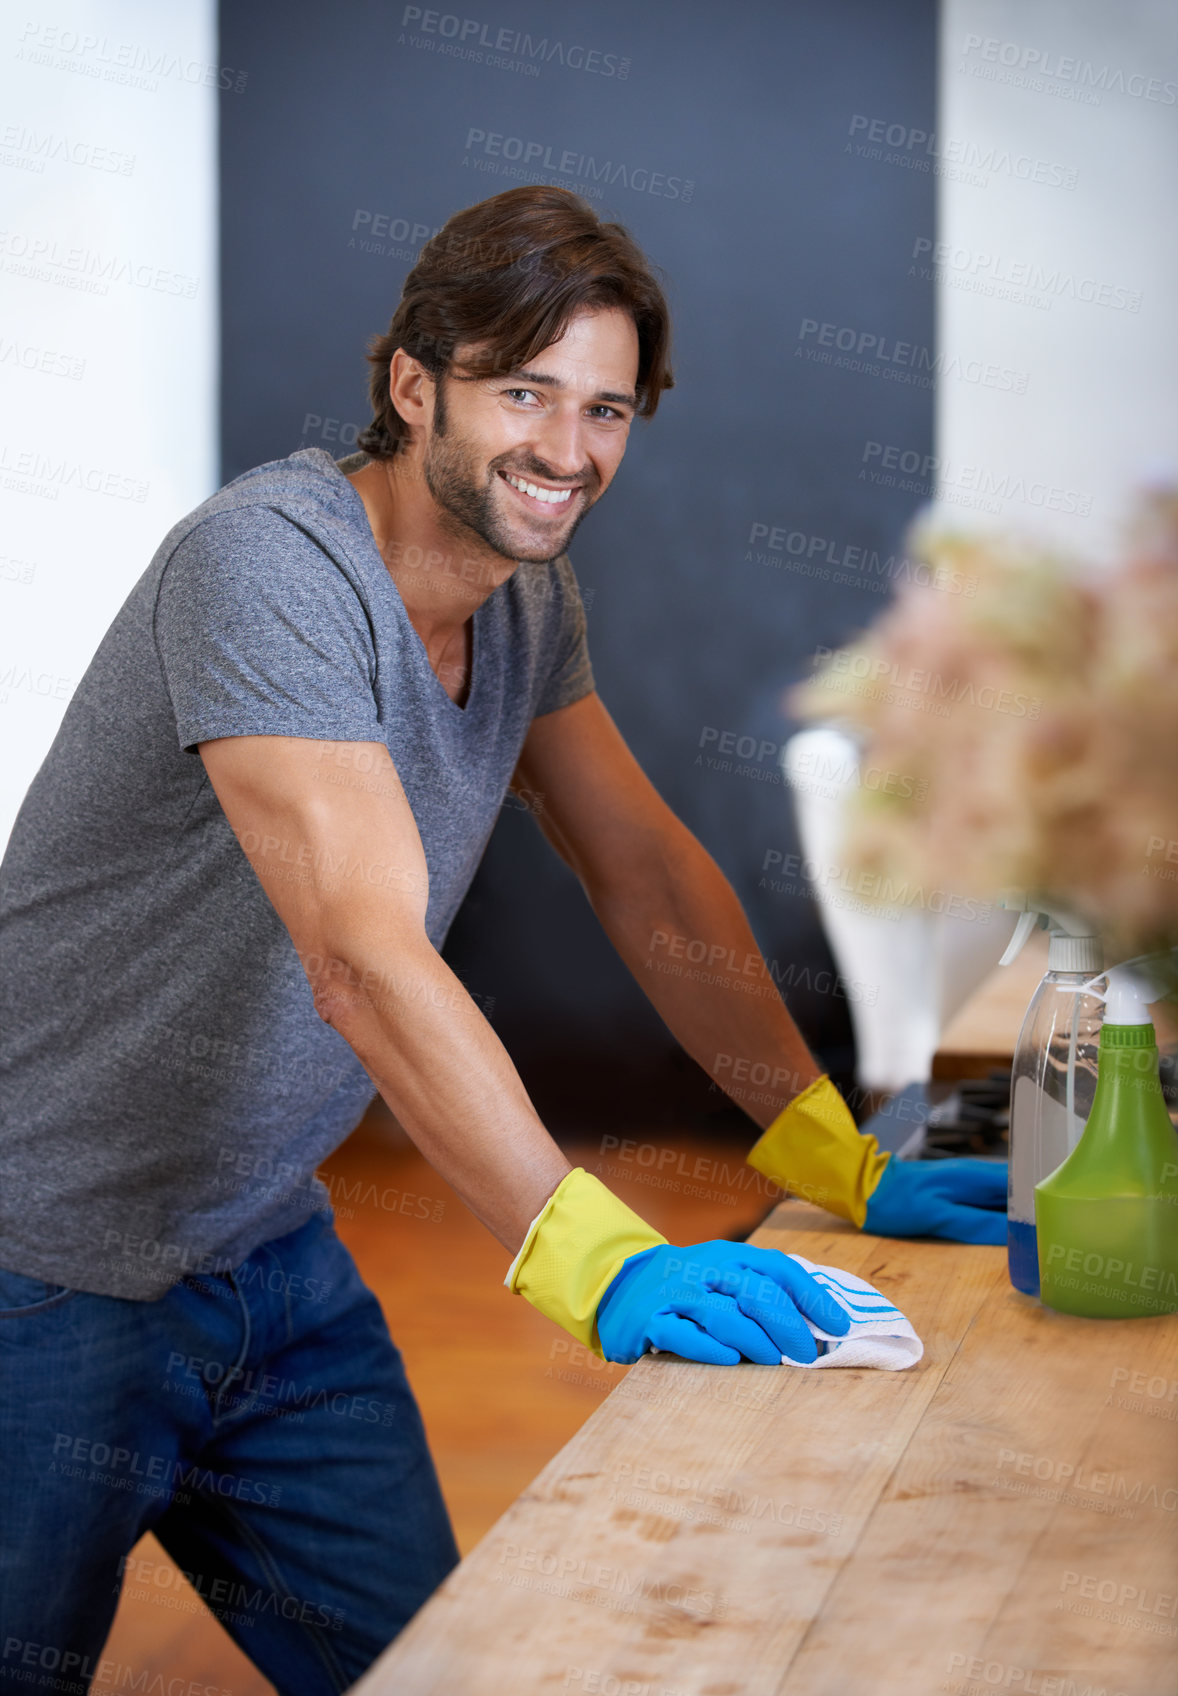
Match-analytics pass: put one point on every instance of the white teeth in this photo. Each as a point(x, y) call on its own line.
point(554, 497)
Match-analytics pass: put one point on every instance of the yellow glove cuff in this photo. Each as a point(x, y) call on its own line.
point(815, 1149)
point(572, 1251)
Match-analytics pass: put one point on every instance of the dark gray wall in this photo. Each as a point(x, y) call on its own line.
point(743, 136)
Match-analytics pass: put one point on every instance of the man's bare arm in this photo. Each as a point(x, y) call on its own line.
point(344, 867)
point(665, 905)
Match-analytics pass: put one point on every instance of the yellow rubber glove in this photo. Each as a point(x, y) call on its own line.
point(573, 1250)
point(815, 1149)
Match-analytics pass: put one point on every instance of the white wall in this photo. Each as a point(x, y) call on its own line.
point(1078, 92)
point(108, 330)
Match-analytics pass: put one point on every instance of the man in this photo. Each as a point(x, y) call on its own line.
point(224, 898)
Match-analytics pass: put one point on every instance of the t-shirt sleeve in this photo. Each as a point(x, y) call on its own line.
point(261, 633)
point(571, 675)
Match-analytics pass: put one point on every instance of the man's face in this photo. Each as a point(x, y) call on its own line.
point(560, 427)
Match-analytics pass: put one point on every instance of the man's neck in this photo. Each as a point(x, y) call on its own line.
point(442, 576)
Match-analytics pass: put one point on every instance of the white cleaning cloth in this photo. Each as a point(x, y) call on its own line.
point(879, 1335)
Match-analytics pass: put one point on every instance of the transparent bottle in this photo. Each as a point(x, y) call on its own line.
point(1052, 1086)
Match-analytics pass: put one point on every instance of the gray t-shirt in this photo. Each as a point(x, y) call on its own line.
point(168, 1088)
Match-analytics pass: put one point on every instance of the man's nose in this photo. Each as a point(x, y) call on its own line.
point(560, 444)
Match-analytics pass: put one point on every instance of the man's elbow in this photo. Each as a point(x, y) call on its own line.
point(352, 978)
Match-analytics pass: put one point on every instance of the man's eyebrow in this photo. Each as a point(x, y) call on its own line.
point(541, 379)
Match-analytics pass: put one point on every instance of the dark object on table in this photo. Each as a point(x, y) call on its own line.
point(934, 1122)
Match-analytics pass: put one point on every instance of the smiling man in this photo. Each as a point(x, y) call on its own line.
point(224, 903)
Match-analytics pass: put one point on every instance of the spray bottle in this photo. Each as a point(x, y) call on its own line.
point(1107, 1218)
point(1053, 1077)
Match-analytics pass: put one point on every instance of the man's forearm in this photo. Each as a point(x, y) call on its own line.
point(445, 1075)
point(682, 931)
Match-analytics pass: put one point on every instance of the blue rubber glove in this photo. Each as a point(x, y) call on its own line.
point(715, 1302)
point(962, 1199)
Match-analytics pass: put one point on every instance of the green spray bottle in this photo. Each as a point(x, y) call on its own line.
point(1107, 1218)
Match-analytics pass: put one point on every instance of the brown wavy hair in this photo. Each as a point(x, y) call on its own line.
point(509, 274)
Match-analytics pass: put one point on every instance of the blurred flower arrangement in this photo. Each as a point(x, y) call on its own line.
point(1035, 721)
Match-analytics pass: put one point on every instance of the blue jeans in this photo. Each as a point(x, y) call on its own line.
point(259, 1422)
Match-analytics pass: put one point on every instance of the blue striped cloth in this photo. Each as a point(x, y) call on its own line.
point(879, 1334)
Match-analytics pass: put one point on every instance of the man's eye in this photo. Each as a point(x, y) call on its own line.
point(609, 412)
point(514, 392)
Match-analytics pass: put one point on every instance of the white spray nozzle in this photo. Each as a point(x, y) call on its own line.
point(1075, 946)
point(1027, 922)
point(1129, 993)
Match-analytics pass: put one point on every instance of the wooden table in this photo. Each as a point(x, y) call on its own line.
point(1000, 1516)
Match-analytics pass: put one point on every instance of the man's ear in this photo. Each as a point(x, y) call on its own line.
point(411, 390)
